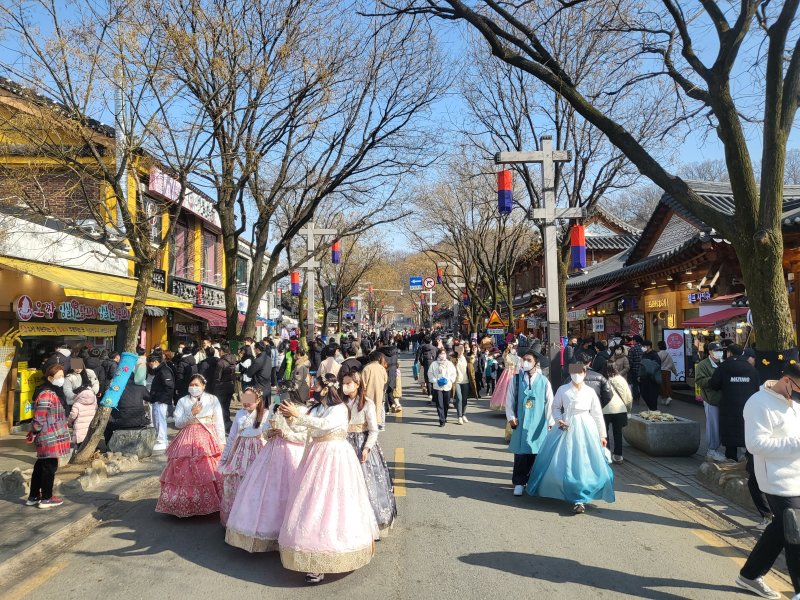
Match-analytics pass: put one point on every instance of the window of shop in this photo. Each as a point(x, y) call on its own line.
point(242, 272)
point(182, 252)
point(211, 270)
point(690, 313)
point(152, 210)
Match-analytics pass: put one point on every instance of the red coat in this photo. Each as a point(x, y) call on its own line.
point(49, 426)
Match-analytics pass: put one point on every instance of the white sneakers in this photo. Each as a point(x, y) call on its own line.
point(518, 489)
point(159, 447)
point(716, 456)
point(579, 508)
point(758, 586)
point(466, 420)
point(667, 401)
point(763, 524)
point(616, 459)
point(460, 420)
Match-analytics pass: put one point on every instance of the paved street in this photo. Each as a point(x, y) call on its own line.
point(460, 535)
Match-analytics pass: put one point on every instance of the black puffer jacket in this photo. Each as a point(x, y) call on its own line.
point(737, 379)
point(598, 383)
point(162, 389)
point(390, 352)
point(260, 371)
point(225, 375)
point(185, 369)
point(130, 412)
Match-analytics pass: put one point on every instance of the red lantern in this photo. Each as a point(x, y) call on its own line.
point(336, 252)
point(505, 199)
point(577, 242)
point(294, 278)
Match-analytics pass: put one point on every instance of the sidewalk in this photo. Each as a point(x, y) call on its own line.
point(25, 528)
point(681, 473)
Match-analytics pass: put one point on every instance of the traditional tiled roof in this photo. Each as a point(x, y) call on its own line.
point(611, 242)
point(603, 215)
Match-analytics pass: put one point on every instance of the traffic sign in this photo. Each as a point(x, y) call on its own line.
point(496, 331)
point(415, 283)
point(495, 322)
point(271, 323)
point(274, 313)
point(428, 283)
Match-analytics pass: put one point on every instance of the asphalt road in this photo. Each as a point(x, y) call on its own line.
point(460, 535)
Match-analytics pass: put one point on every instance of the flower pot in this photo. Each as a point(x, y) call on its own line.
point(680, 437)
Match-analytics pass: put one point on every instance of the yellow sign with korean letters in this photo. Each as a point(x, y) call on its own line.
point(58, 329)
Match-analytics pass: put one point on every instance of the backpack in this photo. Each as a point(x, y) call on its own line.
point(651, 369)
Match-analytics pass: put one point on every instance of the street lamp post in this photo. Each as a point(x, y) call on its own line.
point(311, 232)
point(548, 213)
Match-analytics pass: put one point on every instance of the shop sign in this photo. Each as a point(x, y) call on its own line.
point(576, 315)
point(699, 297)
point(657, 303)
point(167, 187)
point(187, 328)
point(69, 310)
point(598, 324)
point(66, 329)
point(675, 341)
point(160, 279)
point(533, 322)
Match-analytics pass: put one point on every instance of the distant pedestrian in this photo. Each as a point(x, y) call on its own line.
point(162, 390)
point(462, 384)
point(649, 375)
point(50, 435)
point(615, 413)
point(703, 372)
point(620, 361)
point(668, 369)
point(442, 375)
point(634, 359)
point(501, 390)
point(772, 435)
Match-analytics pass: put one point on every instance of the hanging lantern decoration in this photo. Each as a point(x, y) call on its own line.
point(577, 242)
point(439, 275)
point(465, 298)
point(352, 306)
point(370, 292)
point(421, 300)
point(294, 278)
point(336, 252)
point(505, 201)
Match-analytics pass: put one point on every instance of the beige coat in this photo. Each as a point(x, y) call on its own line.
point(375, 379)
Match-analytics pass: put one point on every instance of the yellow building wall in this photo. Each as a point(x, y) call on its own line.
point(198, 250)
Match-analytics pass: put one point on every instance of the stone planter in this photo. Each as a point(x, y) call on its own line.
point(663, 438)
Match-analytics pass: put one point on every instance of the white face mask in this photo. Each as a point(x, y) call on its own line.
point(717, 354)
point(513, 351)
point(578, 377)
point(58, 381)
point(527, 365)
point(442, 359)
point(195, 391)
point(349, 388)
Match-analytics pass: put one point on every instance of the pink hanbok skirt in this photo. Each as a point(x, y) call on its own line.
point(260, 505)
point(233, 470)
point(330, 526)
point(501, 390)
point(190, 485)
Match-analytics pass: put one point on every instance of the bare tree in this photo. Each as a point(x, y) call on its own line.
point(706, 170)
point(93, 59)
point(304, 104)
point(756, 38)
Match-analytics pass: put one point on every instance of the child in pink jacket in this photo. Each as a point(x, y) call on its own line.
point(82, 413)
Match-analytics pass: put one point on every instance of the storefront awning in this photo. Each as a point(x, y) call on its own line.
point(603, 296)
point(87, 284)
point(715, 317)
point(215, 317)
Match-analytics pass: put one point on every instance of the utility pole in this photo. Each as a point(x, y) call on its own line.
point(548, 213)
point(311, 232)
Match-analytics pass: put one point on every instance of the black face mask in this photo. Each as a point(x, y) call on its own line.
point(796, 396)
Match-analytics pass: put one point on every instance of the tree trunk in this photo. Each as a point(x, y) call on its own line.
point(97, 427)
point(230, 245)
point(301, 326)
point(340, 324)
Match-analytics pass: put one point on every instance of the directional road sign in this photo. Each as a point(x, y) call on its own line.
point(415, 283)
point(428, 283)
point(495, 322)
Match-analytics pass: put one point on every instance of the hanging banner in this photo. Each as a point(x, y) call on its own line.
point(598, 324)
point(6, 359)
point(80, 329)
point(675, 341)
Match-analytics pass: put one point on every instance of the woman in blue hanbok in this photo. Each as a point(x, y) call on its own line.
point(572, 464)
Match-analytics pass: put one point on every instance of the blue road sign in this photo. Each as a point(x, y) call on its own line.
point(415, 283)
point(271, 323)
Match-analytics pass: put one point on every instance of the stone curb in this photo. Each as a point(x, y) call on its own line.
point(16, 568)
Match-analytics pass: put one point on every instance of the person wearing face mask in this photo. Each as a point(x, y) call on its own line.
point(772, 435)
point(461, 387)
point(572, 463)
point(243, 445)
point(502, 387)
point(442, 374)
point(363, 437)
point(189, 484)
point(530, 417)
point(620, 361)
point(703, 373)
point(50, 434)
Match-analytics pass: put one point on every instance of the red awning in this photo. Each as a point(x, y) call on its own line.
point(603, 296)
point(715, 317)
point(214, 316)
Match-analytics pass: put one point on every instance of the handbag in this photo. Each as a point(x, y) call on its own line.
point(415, 371)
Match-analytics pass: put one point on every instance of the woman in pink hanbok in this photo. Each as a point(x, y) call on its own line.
point(244, 443)
point(260, 505)
point(501, 390)
point(189, 483)
point(330, 526)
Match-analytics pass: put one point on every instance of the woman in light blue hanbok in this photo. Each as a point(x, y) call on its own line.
point(572, 464)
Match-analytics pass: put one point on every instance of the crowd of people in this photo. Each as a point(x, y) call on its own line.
point(309, 419)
